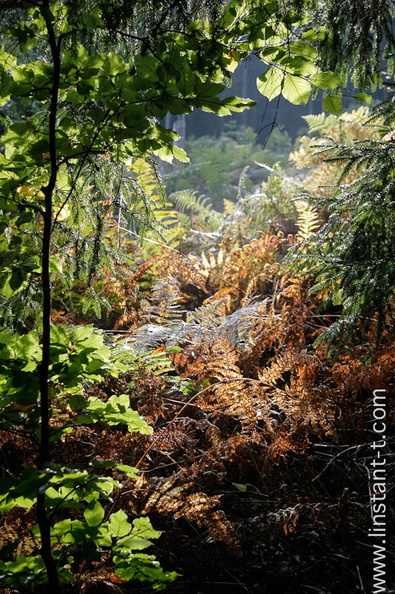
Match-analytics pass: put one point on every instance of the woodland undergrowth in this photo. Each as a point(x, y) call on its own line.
point(256, 468)
point(260, 441)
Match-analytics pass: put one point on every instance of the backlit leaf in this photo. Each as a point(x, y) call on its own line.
point(296, 89)
point(326, 80)
point(270, 83)
point(94, 513)
point(118, 524)
point(364, 98)
point(333, 104)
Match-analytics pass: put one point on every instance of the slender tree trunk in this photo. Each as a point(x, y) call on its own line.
point(48, 190)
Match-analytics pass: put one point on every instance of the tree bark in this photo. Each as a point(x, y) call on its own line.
point(48, 190)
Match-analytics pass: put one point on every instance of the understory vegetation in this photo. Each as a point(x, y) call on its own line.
point(187, 375)
point(253, 450)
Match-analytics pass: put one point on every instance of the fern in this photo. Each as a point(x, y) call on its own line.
point(308, 221)
point(201, 214)
point(175, 332)
point(211, 260)
point(183, 501)
point(270, 375)
point(321, 122)
point(166, 299)
point(242, 182)
point(210, 314)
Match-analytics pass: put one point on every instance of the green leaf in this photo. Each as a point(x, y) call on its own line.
point(316, 34)
point(167, 153)
point(67, 531)
point(76, 402)
point(296, 89)
point(55, 265)
point(240, 487)
point(60, 336)
point(237, 104)
point(92, 19)
point(21, 570)
point(180, 154)
point(270, 84)
point(146, 68)
point(142, 567)
point(142, 527)
point(101, 463)
point(85, 419)
point(103, 538)
point(17, 279)
point(174, 349)
point(326, 80)
point(298, 66)
point(118, 524)
point(208, 90)
point(364, 98)
point(7, 503)
point(94, 513)
point(113, 64)
point(139, 538)
point(131, 543)
point(302, 48)
point(28, 345)
point(333, 104)
point(130, 471)
point(82, 333)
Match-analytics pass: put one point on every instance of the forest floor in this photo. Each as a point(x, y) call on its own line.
point(259, 467)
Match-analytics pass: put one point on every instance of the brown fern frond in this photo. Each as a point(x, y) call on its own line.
point(295, 304)
point(187, 269)
point(292, 382)
point(214, 359)
point(174, 440)
point(226, 296)
point(245, 453)
point(261, 284)
point(241, 399)
point(246, 262)
point(212, 311)
point(271, 374)
point(285, 520)
point(213, 260)
point(182, 501)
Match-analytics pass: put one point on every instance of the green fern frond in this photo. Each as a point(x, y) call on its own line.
point(204, 217)
point(320, 122)
point(242, 182)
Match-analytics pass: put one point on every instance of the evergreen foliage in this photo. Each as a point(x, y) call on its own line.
point(360, 32)
point(352, 255)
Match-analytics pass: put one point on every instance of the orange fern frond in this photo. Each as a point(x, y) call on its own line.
point(181, 501)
